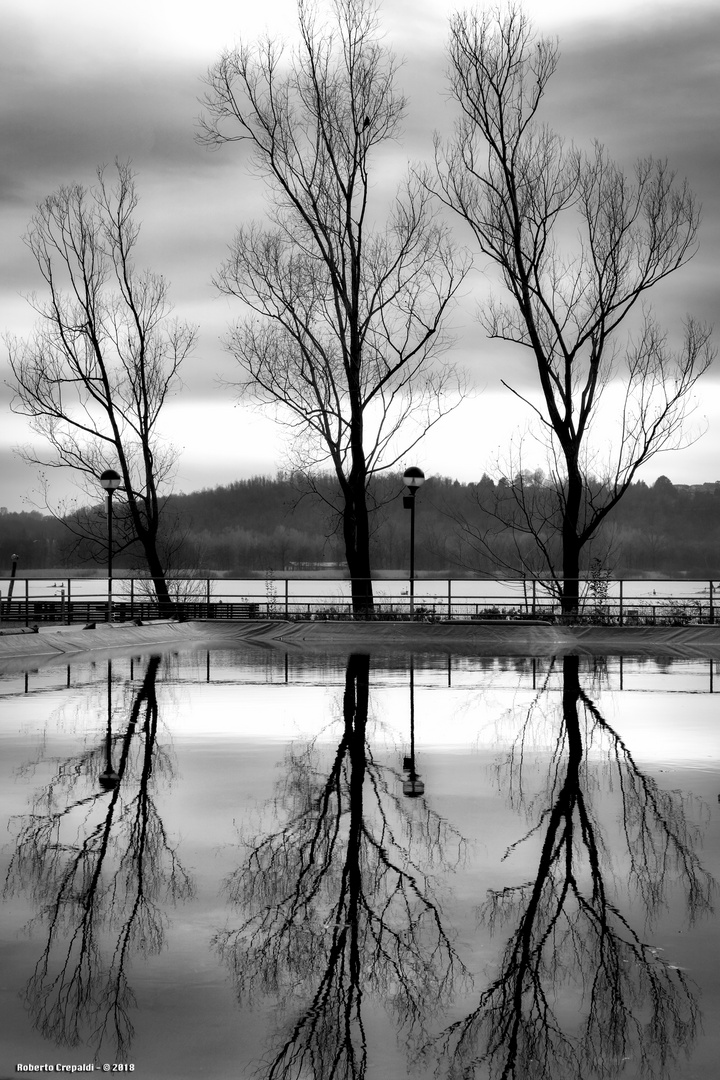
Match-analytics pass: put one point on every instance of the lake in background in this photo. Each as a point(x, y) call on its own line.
point(231, 862)
point(460, 597)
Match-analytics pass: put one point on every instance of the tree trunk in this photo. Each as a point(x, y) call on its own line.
point(355, 709)
point(571, 694)
point(570, 597)
point(356, 533)
point(166, 607)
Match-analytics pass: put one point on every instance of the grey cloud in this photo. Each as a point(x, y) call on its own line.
point(652, 88)
point(60, 131)
point(58, 122)
point(644, 87)
point(60, 118)
point(640, 88)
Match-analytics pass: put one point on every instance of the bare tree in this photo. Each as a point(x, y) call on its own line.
point(517, 525)
point(520, 189)
point(346, 310)
point(104, 357)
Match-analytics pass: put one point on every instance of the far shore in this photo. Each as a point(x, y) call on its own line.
point(334, 573)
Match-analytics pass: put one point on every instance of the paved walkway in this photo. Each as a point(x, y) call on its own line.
point(479, 638)
point(503, 638)
point(19, 645)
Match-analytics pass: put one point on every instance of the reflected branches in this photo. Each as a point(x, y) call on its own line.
point(98, 865)
point(660, 837)
point(579, 992)
point(339, 904)
point(339, 921)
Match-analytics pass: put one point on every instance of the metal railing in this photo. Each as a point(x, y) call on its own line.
point(621, 602)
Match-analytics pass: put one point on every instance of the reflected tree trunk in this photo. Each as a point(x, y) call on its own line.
point(579, 992)
point(339, 905)
point(100, 867)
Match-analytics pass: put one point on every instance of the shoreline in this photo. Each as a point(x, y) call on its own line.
point(501, 638)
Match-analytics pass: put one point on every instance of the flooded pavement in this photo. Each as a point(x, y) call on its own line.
point(237, 861)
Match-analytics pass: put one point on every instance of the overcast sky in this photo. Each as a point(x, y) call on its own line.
point(84, 83)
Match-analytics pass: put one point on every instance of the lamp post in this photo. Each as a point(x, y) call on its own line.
point(413, 478)
point(110, 481)
point(13, 571)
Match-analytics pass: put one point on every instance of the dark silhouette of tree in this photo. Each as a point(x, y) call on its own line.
point(514, 526)
point(524, 193)
point(339, 905)
point(103, 361)
point(571, 940)
point(345, 324)
point(96, 862)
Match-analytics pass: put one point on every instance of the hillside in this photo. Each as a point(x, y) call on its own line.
point(262, 524)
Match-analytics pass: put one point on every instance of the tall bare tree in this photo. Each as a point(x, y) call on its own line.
point(525, 194)
point(345, 299)
point(104, 358)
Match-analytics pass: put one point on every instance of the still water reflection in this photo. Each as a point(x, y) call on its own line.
point(567, 928)
point(93, 859)
point(241, 863)
point(340, 904)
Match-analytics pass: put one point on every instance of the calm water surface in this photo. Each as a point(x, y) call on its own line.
point(235, 863)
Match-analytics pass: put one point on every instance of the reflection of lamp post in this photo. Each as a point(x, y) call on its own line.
point(110, 481)
point(413, 786)
point(109, 779)
point(413, 478)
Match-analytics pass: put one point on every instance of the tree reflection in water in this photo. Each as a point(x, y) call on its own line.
point(340, 903)
point(579, 993)
point(98, 865)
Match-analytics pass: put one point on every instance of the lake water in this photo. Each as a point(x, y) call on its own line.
point(230, 863)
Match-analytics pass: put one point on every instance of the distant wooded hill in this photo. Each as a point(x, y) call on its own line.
point(263, 524)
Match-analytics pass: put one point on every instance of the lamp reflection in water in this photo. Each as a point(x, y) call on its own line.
point(413, 787)
point(101, 872)
point(108, 778)
point(339, 906)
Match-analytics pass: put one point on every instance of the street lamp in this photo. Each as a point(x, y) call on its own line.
point(413, 478)
point(110, 481)
point(13, 571)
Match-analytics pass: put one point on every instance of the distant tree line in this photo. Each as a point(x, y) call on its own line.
point(264, 524)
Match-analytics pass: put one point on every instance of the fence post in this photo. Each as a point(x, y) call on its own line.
point(712, 612)
point(286, 597)
point(27, 602)
point(621, 601)
point(449, 598)
point(534, 597)
point(132, 597)
point(207, 595)
point(69, 602)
